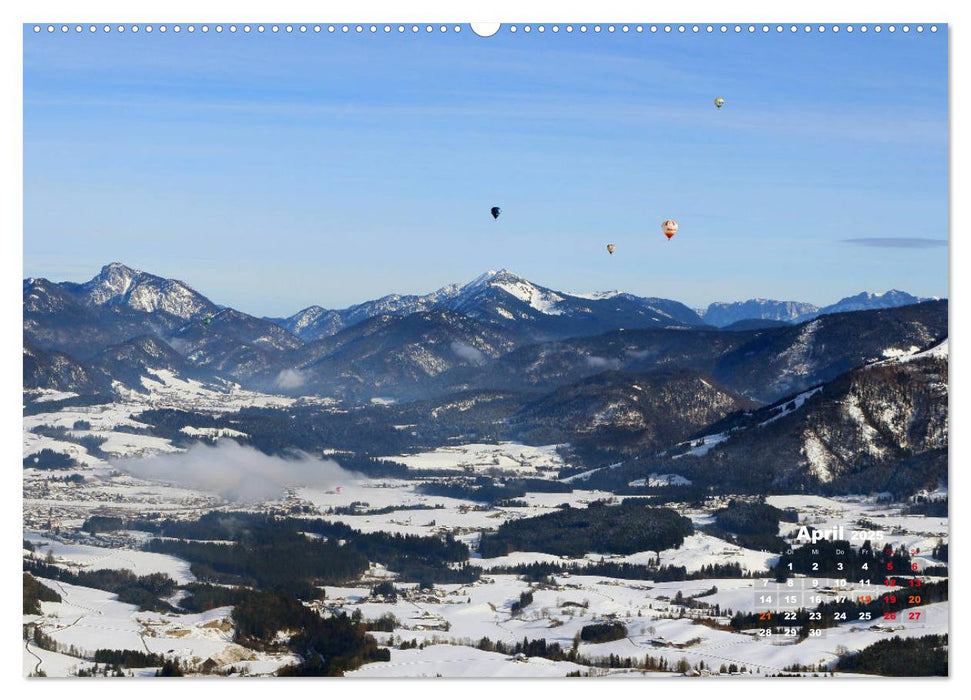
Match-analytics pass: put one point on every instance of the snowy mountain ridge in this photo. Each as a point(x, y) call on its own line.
point(118, 284)
point(499, 296)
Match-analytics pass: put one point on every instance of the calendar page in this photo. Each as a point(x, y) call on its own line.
point(513, 350)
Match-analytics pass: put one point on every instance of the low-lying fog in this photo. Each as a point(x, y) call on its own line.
point(236, 472)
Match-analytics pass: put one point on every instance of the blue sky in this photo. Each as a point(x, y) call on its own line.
point(272, 172)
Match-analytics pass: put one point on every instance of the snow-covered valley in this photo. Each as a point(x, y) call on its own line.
point(443, 629)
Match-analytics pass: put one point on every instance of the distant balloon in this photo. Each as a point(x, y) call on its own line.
point(339, 489)
point(207, 320)
point(719, 102)
point(495, 211)
point(669, 227)
point(611, 248)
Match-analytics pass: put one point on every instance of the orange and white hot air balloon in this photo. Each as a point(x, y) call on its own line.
point(670, 227)
point(611, 248)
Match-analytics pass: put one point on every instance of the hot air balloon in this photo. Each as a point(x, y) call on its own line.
point(719, 102)
point(495, 211)
point(207, 320)
point(669, 227)
point(611, 248)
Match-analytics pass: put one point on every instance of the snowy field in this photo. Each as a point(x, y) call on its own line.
point(505, 457)
point(88, 619)
point(446, 661)
point(462, 615)
point(82, 556)
point(451, 619)
point(699, 550)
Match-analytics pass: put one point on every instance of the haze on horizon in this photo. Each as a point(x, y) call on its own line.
point(271, 173)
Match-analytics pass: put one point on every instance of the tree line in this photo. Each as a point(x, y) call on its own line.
point(913, 656)
point(34, 593)
point(275, 553)
point(144, 591)
point(541, 571)
point(622, 529)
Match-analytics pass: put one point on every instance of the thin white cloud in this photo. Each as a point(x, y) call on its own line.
point(891, 242)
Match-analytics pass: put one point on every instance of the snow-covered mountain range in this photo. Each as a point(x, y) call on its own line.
point(613, 374)
point(503, 297)
point(507, 299)
point(499, 330)
point(724, 314)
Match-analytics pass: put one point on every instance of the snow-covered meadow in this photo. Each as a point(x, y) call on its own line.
point(448, 622)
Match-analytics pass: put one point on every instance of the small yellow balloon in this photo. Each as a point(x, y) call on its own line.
point(719, 102)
